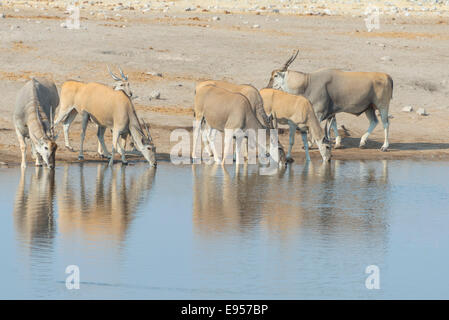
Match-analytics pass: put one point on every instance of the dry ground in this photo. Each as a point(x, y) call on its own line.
point(189, 46)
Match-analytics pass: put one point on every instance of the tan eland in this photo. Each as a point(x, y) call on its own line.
point(222, 109)
point(296, 111)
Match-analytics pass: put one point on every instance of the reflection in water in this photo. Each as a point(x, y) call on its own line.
point(104, 208)
point(35, 223)
point(33, 208)
point(325, 196)
point(308, 231)
point(89, 207)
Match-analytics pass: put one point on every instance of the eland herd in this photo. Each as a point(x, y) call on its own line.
point(297, 99)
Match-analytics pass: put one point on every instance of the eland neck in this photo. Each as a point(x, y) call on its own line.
point(135, 127)
point(315, 128)
point(36, 125)
point(296, 82)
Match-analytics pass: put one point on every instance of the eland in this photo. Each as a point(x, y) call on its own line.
point(33, 119)
point(332, 91)
point(68, 111)
point(296, 111)
point(254, 98)
point(222, 109)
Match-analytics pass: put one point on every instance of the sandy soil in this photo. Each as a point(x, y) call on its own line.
point(239, 41)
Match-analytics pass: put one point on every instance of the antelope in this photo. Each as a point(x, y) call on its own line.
point(249, 91)
point(332, 91)
point(296, 111)
point(68, 111)
point(33, 119)
point(222, 109)
point(111, 108)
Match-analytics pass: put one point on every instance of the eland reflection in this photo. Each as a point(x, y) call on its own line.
point(34, 221)
point(101, 208)
point(33, 207)
point(326, 198)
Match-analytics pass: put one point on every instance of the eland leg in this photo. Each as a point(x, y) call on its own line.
point(251, 151)
point(121, 143)
point(228, 153)
point(306, 145)
point(212, 139)
point(115, 137)
point(102, 149)
point(206, 140)
point(386, 125)
point(245, 148)
point(23, 148)
point(334, 127)
point(66, 126)
point(371, 115)
point(83, 135)
point(196, 139)
point(292, 132)
point(238, 149)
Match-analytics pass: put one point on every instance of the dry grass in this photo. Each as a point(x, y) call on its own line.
point(399, 35)
point(23, 75)
point(166, 109)
point(140, 76)
point(20, 46)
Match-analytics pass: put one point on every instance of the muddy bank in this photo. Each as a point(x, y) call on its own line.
point(399, 150)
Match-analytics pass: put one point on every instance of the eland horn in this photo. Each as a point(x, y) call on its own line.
point(122, 74)
point(327, 128)
point(51, 124)
point(290, 60)
point(113, 75)
point(147, 128)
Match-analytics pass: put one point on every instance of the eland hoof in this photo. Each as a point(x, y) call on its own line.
point(341, 147)
point(362, 146)
point(80, 158)
point(289, 160)
point(70, 148)
point(384, 149)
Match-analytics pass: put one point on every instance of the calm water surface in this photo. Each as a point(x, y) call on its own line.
point(184, 232)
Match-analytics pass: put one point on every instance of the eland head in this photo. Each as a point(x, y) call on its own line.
point(46, 146)
point(148, 148)
point(324, 145)
point(121, 83)
point(278, 76)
